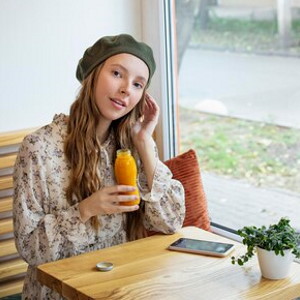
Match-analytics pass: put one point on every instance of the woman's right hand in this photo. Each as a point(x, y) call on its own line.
point(107, 201)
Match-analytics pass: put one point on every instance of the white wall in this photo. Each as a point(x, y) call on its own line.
point(41, 42)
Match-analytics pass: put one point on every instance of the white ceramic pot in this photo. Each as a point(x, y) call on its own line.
point(274, 266)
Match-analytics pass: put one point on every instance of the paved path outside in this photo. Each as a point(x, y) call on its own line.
point(234, 203)
point(254, 87)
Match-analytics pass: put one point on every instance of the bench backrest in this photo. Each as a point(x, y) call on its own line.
point(12, 267)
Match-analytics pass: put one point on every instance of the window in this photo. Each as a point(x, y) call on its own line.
point(239, 106)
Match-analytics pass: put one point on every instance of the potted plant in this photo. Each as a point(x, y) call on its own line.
point(276, 247)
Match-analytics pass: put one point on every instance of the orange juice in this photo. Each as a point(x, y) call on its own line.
point(126, 173)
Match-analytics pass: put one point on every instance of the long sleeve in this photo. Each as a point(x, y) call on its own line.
point(165, 203)
point(45, 228)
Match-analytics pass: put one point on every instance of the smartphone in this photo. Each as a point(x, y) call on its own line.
point(202, 247)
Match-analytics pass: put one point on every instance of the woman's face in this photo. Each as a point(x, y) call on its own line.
point(120, 85)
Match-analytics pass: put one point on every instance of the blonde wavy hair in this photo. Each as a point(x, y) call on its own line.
point(82, 149)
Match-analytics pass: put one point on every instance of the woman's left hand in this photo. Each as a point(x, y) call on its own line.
point(144, 127)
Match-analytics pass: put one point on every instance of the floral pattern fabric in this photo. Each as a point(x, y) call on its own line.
point(47, 228)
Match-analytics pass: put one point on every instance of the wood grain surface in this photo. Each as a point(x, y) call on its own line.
point(145, 269)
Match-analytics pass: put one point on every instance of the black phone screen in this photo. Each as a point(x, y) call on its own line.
point(202, 245)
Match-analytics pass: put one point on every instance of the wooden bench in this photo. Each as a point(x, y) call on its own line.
point(12, 267)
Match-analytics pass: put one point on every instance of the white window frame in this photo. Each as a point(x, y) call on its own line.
point(157, 32)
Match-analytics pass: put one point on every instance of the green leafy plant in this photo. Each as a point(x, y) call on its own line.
point(278, 237)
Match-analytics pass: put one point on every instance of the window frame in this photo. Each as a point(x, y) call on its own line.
point(161, 36)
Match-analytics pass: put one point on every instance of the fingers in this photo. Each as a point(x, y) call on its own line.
point(126, 198)
point(116, 189)
point(151, 104)
point(150, 101)
point(117, 207)
point(115, 197)
point(126, 208)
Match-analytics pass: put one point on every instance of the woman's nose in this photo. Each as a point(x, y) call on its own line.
point(124, 89)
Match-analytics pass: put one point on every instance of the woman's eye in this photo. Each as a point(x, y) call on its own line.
point(138, 85)
point(116, 73)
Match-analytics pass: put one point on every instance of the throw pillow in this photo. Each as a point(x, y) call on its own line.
point(185, 168)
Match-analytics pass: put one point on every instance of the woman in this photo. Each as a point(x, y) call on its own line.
point(66, 200)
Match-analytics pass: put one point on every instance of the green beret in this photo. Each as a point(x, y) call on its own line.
point(111, 45)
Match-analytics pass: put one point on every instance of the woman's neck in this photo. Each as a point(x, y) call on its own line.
point(102, 130)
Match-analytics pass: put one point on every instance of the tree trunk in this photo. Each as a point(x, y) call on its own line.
point(187, 12)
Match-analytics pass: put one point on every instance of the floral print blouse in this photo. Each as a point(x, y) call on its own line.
point(47, 228)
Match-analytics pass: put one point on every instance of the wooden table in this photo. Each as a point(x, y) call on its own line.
point(145, 269)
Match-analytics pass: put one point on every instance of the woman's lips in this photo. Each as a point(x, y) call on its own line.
point(118, 103)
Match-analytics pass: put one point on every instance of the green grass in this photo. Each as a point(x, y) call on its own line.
point(241, 26)
point(244, 35)
point(263, 154)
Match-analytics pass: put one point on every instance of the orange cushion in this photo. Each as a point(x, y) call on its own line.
point(185, 168)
